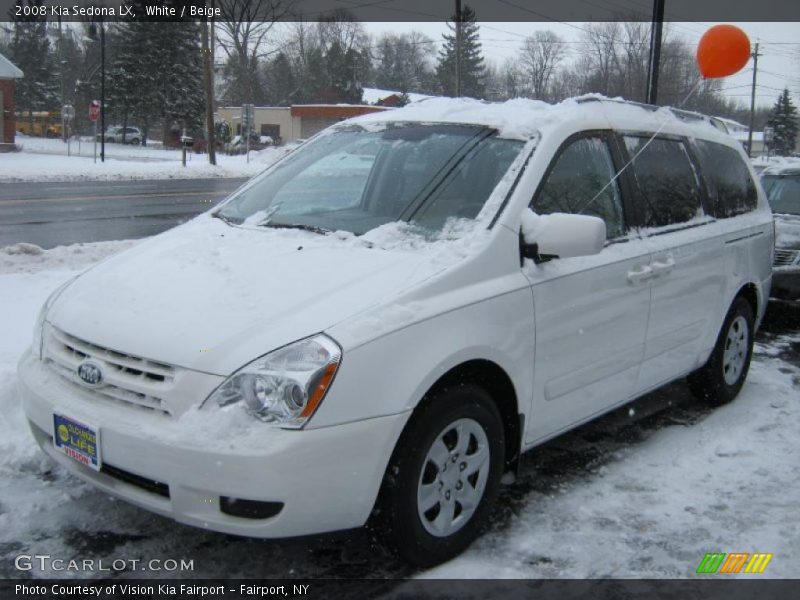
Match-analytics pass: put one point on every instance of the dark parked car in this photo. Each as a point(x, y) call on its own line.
point(782, 185)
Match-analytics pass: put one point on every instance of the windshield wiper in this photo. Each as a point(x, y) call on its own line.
point(313, 228)
point(223, 218)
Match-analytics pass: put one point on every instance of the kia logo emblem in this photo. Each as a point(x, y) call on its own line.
point(90, 373)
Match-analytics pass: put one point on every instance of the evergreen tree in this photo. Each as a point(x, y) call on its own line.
point(281, 83)
point(472, 69)
point(783, 121)
point(30, 50)
point(156, 75)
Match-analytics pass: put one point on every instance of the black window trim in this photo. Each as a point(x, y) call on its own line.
point(620, 134)
point(711, 210)
point(617, 160)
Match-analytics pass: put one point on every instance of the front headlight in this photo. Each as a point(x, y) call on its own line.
point(38, 328)
point(36, 344)
point(285, 386)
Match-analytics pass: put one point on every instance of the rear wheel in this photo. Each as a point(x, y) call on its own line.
point(444, 476)
point(721, 378)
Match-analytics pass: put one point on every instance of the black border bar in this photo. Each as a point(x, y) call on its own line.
point(544, 11)
point(713, 588)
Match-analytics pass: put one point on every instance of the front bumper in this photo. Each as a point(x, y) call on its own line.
point(786, 284)
point(327, 478)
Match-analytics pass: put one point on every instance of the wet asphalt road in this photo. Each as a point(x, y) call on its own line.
point(55, 214)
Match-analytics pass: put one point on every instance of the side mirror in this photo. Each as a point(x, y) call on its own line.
point(560, 235)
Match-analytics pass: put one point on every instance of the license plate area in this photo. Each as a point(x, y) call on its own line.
point(77, 440)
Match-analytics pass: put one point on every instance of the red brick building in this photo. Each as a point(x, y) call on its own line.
point(8, 74)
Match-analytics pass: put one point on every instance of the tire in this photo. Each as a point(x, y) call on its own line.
point(428, 537)
point(721, 378)
point(135, 142)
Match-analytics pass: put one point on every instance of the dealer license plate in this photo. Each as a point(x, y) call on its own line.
point(79, 441)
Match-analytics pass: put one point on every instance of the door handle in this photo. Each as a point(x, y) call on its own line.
point(642, 273)
point(664, 267)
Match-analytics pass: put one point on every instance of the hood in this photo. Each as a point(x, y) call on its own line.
point(211, 297)
point(787, 232)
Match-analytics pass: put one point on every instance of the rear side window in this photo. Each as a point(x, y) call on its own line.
point(668, 184)
point(582, 182)
point(732, 189)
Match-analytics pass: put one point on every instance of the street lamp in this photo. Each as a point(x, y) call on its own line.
point(93, 35)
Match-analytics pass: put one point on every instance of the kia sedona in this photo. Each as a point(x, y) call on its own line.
point(377, 326)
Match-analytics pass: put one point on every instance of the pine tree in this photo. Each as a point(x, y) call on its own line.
point(472, 70)
point(281, 83)
point(783, 121)
point(30, 50)
point(156, 74)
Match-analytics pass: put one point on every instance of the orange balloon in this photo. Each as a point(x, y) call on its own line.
point(723, 50)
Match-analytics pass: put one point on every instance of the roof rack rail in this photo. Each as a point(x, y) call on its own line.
point(683, 115)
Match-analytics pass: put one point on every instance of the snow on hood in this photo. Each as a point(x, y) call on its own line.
point(211, 297)
point(193, 299)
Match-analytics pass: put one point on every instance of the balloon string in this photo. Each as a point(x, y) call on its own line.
point(642, 149)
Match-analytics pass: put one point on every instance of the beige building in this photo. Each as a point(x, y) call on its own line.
point(289, 123)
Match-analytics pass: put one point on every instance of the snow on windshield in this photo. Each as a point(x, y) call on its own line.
point(356, 180)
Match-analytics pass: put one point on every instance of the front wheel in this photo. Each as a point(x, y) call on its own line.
point(722, 377)
point(444, 476)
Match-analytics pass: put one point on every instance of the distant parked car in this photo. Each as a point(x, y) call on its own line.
point(237, 144)
point(782, 185)
point(132, 135)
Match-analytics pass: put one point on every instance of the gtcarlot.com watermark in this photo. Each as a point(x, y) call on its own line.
point(46, 563)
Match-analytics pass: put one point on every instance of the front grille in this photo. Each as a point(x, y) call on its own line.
point(785, 258)
point(127, 378)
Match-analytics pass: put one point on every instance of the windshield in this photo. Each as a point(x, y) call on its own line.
point(355, 180)
point(783, 193)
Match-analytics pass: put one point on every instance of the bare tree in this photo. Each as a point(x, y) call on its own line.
point(599, 60)
point(542, 53)
point(243, 29)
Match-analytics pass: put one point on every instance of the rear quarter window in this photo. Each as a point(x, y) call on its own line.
point(668, 185)
point(731, 188)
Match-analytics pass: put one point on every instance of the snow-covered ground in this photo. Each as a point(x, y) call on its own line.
point(643, 492)
point(44, 159)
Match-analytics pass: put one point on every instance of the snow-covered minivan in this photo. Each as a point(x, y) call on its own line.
point(377, 326)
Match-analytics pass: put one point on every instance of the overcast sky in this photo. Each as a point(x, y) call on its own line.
point(779, 65)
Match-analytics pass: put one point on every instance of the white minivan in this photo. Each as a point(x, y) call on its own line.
point(385, 319)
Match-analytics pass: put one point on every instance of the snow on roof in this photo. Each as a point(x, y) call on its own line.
point(9, 70)
point(374, 95)
point(522, 118)
point(732, 125)
point(758, 136)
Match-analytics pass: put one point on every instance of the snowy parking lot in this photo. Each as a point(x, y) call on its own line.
point(643, 492)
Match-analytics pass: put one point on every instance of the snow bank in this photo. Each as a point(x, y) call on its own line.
point(29, 166)
point(30, 258)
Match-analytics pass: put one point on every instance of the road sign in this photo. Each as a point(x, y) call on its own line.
point(94, 110)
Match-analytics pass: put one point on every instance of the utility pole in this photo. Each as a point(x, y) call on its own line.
point(656, 29)
point(209, 93)
point(458, 48)
point(755, 56)
point(102, 91)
